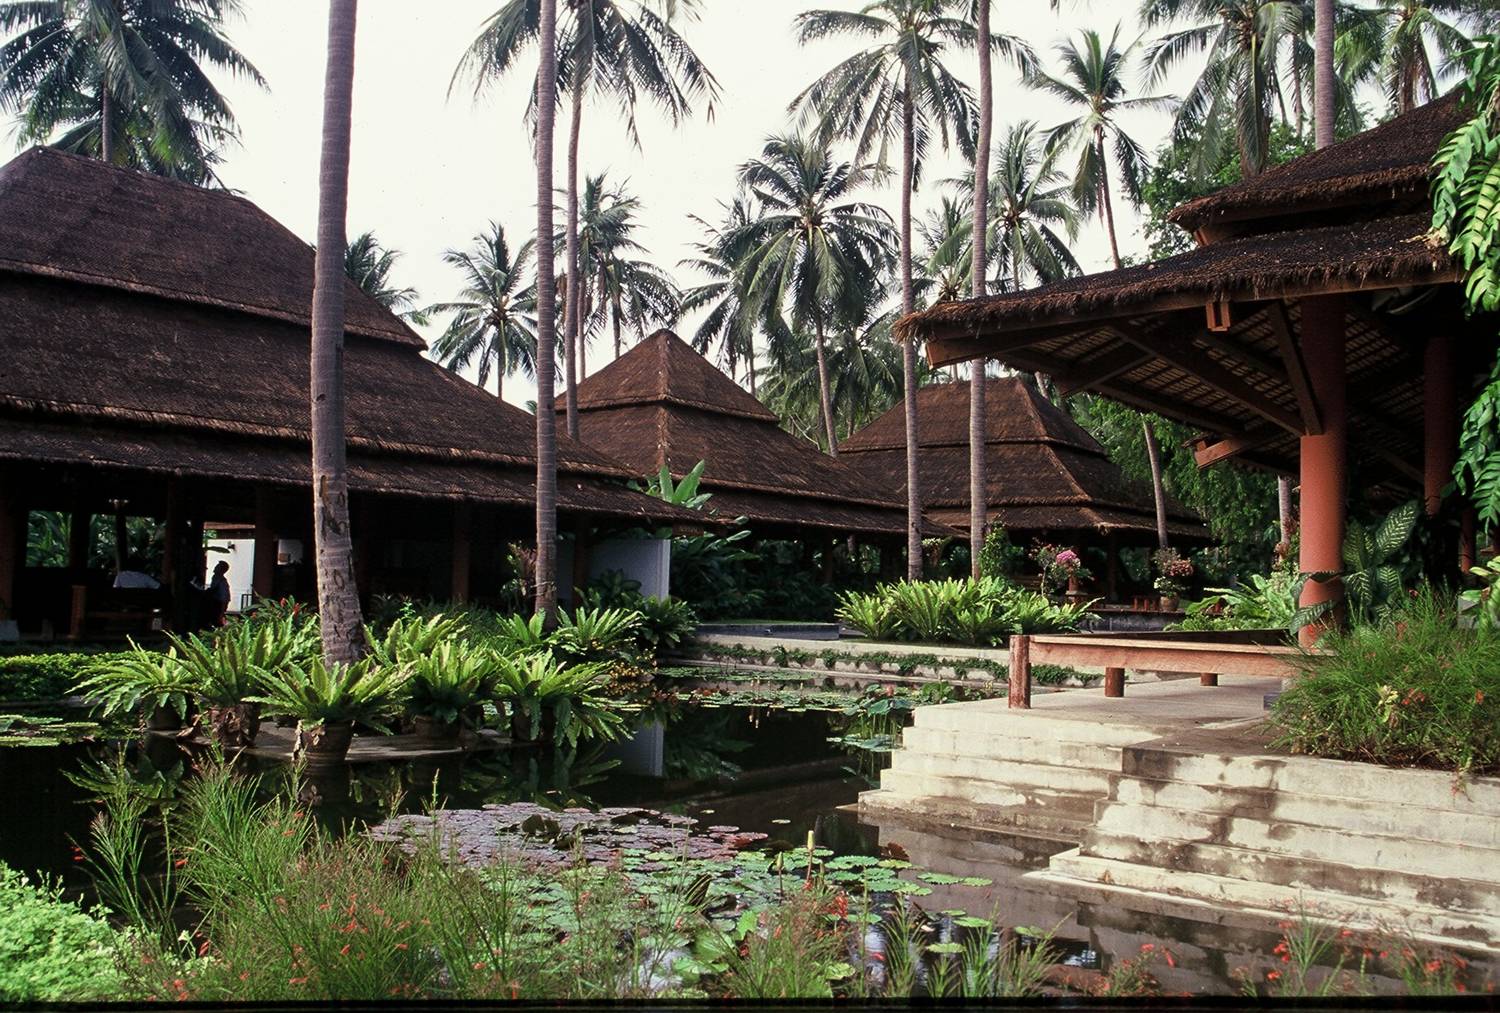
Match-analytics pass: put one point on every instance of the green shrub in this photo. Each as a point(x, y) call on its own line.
point(1416, 688)
point(51, 950)
point(46, 676)
point(983, 612)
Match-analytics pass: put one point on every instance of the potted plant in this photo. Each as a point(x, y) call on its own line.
point(1173, 572)
point(227, 668)
point(552, 701)
point(1061, 568)
point(156, 683)
point(326, 701)
point(446, 684)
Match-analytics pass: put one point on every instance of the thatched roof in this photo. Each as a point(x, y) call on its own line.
point(1386, 253)
point(160, 327)
point(64, 216)
point(664, 405)
point(1388, 165)
point(1044, 472)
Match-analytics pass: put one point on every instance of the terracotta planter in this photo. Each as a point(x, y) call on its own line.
point(326, 744)
point(1168, 603)
point(433, 730)
point(163, 719)
point(235, 726)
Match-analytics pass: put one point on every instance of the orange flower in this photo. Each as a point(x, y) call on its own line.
point(1273, 975)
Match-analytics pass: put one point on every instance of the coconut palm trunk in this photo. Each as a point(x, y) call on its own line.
point(1158, 487)
point(909, 347)
point(574, 295)
point(1323, 76)
point(546, 319)
point(1106, 204)
point(338, 597)
point(978, 484)
point(106, 125)
point(825, 397)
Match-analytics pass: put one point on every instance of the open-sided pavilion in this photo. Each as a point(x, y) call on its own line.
point(154, 362)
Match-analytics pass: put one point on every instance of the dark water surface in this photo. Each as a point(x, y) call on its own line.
point(760, 770)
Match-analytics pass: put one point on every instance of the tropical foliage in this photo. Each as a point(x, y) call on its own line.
point(985, 612)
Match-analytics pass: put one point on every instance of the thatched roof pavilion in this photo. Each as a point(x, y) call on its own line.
point(1317, 325)
point(155, 351)
point(1046, 476)
point(664, 405)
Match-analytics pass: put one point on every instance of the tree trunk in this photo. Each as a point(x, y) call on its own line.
point(1284, 508)
point(750, 368)
point(338, 597)
point(106, 125)
point(1158, 487)
point(546, 319)
point(825, 397)
point(572, 317)
point(978, 485)
point(619, 348)
point(909, 347)
point(1106, 205)
point(1323, 79)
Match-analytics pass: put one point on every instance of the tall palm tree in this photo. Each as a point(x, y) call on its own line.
point(369, 264)
point(123, 79)
point(1413, 32)
point(899, 88)
point(944, 238)
point(729, 320)
point(494, 316)
point(622, 49)
point(814, 253)
point(1033, 215)
point(978, 482)
point(338, 597)
point(1093, 81)
point(545, 564)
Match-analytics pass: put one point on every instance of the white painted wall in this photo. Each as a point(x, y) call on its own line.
point(648, 560)
point(239, 553)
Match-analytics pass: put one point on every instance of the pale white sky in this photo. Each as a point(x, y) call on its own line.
point(428, 170)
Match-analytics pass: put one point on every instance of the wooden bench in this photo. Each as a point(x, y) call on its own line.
point(1249, 653)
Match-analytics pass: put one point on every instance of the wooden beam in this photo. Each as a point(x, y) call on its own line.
point(1108, 363)
point(1296, 369)
point(1176, 346)
point(1206, 454)
point(965, 345)
point(1227, 346)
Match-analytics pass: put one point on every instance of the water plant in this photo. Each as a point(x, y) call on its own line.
point(152, 681)
point(549, 699)
point(326, 699)
point(447, 682)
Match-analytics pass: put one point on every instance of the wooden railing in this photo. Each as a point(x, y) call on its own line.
point(1263, 653)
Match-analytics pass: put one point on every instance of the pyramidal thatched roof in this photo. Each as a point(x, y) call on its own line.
point(664, 405)
point(1045, 473)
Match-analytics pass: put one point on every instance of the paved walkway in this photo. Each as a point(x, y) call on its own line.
point(1170, 703)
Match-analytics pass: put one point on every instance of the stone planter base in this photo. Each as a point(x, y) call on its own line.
point(326, 744)
point(163, 719)
point(433, 730)
point(235, 726)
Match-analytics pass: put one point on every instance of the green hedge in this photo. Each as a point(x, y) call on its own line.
point(51, 950)
point(44, 676)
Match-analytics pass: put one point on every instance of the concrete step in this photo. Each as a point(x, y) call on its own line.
point(1181, 893)
point(1059, 820)
point(1059, 752)
point(1434, 849)
point(1307, 776)
point(1289, 873)
point(992, 719)
point(1004, 773)
point(1394, 817)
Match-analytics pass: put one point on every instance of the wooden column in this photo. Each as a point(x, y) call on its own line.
point(263, 575)
point(1439, 419)
point(1114, 682)
point(12, 543)
point(1324, 457)
point(1208, 679)
point(79, 529)
point(581, 549)
point(122, 539)
point(172, 540)
point(1112, 567)
point(1020, 672)
point(463, 555)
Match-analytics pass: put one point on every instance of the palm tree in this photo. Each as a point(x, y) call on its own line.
point(338, 597)
point(369, 265)
point(813, 253)
point(899, 88)
point(545, 564)
point(945, 239)
point(729, 320)
point(978, 483)
point(1412, 32)
point(494, 315)
point(123, 79)
point(1092, 80)
point(624, 52)
point(1030, 201)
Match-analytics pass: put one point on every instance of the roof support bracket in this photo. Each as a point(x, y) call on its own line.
point(1219, 320)
point(1296, 369)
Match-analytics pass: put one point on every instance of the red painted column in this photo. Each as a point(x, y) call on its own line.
point(263, 574)
point(1439, 419)
point(1324, 458)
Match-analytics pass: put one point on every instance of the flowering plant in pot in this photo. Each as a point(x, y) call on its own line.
point(157, 683)
point(446, 684)
point(225, 669)
point(326, 700)
point(1173, 572)
point(1060, 567)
